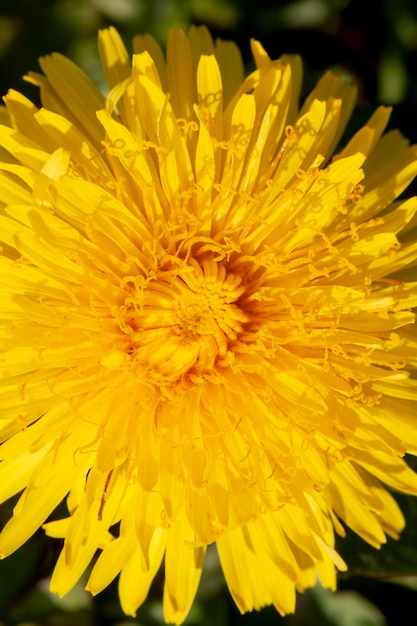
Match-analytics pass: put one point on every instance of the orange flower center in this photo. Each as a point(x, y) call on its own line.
point(184, 321)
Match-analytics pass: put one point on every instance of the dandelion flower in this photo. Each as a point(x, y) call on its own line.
point(206, 332)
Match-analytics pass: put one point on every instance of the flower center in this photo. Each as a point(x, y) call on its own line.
point(184, 321)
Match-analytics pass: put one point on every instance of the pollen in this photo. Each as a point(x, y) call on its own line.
point(185, 321)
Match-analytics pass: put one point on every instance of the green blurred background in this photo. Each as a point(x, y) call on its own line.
point(380, 52)
point(376, 41)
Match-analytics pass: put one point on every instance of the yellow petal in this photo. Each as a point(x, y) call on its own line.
point(79, 98)
point(134, 581)
point(183, 567)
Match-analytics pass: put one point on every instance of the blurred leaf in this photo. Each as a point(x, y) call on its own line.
point(75, 16)
point(8, 31)
point(120, 10)
point(395, 558)
point(392, 78)
point(409, 582)
point(19, 572)
point(216, 12)
point(78, 599)
point(347, 608)
point(304, 13)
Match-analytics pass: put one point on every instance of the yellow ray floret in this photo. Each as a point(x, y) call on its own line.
point(207, 329)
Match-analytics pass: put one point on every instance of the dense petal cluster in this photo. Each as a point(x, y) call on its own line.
point(206, 330)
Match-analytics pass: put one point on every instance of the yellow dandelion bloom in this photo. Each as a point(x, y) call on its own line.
point(206, 336)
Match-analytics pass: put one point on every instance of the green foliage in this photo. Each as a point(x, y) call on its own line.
point(396, 558)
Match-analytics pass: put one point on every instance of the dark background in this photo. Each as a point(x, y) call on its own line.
point(375, 41)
